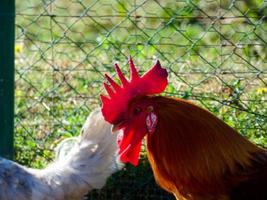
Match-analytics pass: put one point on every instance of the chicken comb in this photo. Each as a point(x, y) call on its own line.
point(154, 81)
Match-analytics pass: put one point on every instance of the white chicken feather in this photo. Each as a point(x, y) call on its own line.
point(82, 164)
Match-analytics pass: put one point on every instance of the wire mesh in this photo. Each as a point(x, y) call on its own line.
point(214, 51)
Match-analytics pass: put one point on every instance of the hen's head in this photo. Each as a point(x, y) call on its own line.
point(129, 108)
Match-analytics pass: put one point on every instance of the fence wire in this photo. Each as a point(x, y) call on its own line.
point(214, 51)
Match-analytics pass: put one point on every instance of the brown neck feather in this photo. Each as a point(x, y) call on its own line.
point(192, 150)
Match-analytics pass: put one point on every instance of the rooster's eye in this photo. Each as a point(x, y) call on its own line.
point(137, 111)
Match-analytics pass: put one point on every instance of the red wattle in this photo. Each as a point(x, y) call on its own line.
point(131, 156)
point(129, 146)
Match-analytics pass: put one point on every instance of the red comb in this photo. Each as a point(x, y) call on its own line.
point(154, 81)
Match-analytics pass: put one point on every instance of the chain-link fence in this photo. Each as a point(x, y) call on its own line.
point(214, 51)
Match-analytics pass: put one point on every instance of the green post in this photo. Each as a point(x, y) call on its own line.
point(7, 36)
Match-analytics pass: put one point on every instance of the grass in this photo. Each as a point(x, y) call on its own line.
point(64, 47)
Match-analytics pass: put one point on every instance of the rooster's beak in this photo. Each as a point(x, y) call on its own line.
point(117, 126)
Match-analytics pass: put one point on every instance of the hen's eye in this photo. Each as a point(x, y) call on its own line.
point(137, 111)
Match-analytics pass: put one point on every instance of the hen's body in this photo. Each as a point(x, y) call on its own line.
point(194, 155)
point(86, 166)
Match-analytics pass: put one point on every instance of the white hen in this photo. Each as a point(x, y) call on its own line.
point(86, 166)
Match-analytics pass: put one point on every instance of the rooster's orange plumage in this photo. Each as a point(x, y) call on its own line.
point(193, 154)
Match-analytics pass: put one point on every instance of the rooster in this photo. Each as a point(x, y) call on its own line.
point(82, 164)
point(193, 154)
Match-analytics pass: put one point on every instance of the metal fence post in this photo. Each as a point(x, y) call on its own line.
point(7, 36)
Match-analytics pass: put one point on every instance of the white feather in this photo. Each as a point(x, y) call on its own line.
point(81, 164)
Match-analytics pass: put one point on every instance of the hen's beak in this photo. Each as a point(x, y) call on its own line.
point(117, 126)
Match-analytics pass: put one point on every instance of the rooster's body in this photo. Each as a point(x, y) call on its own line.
point(193, 154)
point(86, 166)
